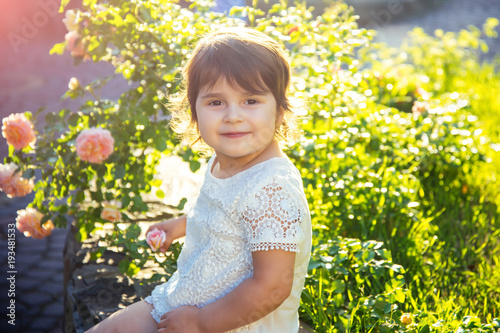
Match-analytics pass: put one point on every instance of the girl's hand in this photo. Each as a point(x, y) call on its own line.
point(174, 228)
point(180, 320)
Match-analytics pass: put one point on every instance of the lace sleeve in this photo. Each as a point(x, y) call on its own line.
point(272, 218)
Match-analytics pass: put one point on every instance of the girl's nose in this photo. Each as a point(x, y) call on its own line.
point(233, 114)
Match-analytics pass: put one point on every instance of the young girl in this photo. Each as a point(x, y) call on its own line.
point(248, 236)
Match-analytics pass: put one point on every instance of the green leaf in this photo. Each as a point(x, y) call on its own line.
point(388, 308)
point(93, 44)
point(40, 110)
point(126, 201)
point(124, 265)
point(194, 165)
point(130, 19)
point(96, 196)
point(381, 201)
point(79, 197)
point(145, 13)
point(160, 143)
point(28, 174)
point(60, 221)
point(137, 200)
point(133, 231)
point(424, 329)
point(181, 204)
point(58, 48)
point(400, 295)
point(119, 172)
point(338, 286)
point(313, 264)
point(39, 197)
point(44, 219)
point(73, 119)
point(81, 235)
point(117, 20)
point(64, 3)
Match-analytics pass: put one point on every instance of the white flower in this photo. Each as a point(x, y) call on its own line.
point(73, 84)
point(71, 20)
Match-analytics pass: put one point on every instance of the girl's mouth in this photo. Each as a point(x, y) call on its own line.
point(234, 135)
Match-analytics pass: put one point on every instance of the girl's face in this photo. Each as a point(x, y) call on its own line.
point(234, 122)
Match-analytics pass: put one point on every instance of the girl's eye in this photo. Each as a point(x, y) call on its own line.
point(252, 101)
point(215, 103)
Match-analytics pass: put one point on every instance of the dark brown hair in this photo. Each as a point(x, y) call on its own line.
point(245, 58)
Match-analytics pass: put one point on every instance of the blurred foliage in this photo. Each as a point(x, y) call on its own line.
point(399, 158)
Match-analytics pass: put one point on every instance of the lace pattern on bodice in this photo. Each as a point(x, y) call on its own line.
point(273, 219)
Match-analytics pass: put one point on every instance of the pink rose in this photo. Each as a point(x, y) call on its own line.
point(155, 238)
point(94, 145)
point(111, 211)
point(28, 222)
point(74, 44)
point(18, 131)
point(13, 184)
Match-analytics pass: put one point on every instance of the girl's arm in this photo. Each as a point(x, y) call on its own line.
point(174, 227)
point(255, 297)
point(250, 301)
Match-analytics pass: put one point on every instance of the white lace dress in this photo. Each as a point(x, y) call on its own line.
point(259, 209)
